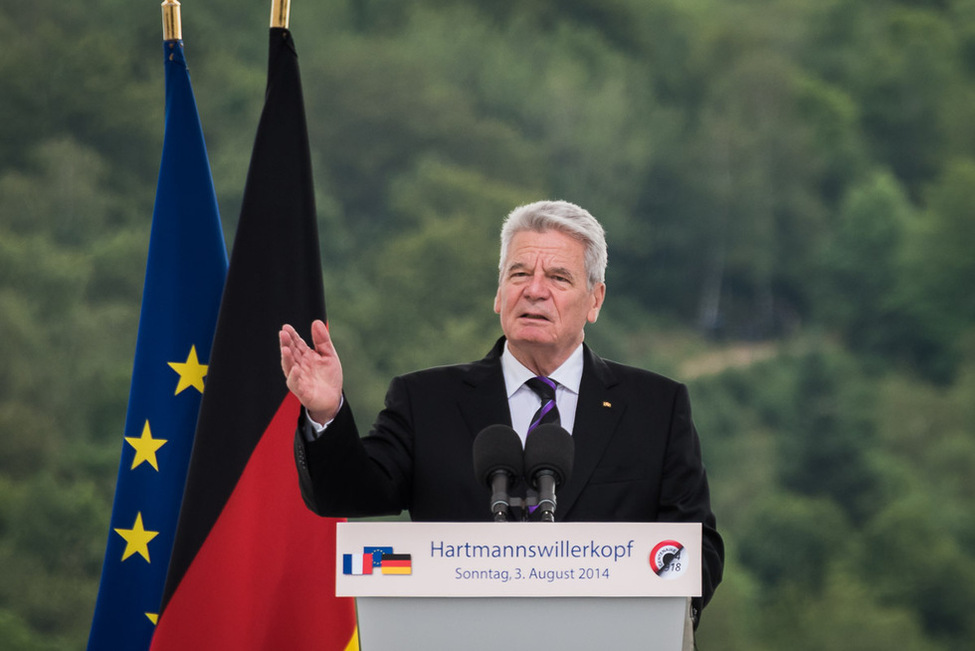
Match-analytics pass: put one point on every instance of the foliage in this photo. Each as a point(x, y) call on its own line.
point(794, 175)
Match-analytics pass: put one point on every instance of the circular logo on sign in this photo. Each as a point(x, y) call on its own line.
point(666, 559)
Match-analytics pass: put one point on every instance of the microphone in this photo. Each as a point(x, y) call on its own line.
point(549, 453)
point(498, 460)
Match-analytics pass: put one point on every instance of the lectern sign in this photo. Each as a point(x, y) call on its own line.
point(405, 559)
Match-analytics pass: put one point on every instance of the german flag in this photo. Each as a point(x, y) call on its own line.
point(397, 564)
point(252, 568)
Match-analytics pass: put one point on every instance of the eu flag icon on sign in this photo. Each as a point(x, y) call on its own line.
point(377, 554)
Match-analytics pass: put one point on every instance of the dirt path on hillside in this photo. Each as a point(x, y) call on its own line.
point(736, 356)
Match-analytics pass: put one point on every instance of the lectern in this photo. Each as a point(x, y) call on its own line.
point(491, 586)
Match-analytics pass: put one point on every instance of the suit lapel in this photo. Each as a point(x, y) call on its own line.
point(597, 417)
point(484, 401)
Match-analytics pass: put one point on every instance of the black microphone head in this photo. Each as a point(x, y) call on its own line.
point(497, 447)
point(550, 447)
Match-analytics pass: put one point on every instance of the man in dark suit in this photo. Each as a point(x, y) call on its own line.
point(637, 454)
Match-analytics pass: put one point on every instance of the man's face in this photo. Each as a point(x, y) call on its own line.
point(543, 297)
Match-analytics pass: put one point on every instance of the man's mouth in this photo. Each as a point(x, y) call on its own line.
point(534, 317)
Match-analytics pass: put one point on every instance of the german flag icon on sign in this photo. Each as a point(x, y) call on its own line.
point(397, 564)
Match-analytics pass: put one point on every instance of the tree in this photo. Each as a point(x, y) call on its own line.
point(793, 543)
point(861, 265)
point(934, 576)
point(825, 447)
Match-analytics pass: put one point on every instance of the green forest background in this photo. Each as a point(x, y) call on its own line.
point(788, 190)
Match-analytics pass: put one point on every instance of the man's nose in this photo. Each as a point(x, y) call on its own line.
point(537, 288)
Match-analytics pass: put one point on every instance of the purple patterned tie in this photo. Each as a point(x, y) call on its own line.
point(548, 412)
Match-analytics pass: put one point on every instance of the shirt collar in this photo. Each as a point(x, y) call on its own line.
point(569, 374)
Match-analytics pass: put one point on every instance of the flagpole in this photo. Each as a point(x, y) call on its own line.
point(172, 25)
point(280, 13)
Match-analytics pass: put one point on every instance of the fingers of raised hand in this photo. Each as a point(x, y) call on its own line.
point(321, 338)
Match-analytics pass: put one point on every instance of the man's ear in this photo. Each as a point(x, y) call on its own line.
point(598, 296)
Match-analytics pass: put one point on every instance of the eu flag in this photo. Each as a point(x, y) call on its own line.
point(185, 275)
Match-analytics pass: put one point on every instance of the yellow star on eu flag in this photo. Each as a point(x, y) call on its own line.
point(145, 448)
point(137, 539)
point(191, 372)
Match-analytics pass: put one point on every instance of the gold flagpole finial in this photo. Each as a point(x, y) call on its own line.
point(172, 24)
point(280, 13)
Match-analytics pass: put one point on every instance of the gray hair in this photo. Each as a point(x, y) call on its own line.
point(567, 218)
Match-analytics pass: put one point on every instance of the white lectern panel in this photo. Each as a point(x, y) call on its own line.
point(501, 624)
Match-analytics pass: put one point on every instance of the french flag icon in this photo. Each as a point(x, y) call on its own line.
point(357, 564)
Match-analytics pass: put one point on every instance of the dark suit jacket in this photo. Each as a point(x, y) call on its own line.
point(637, 454)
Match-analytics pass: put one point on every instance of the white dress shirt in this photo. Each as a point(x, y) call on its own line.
point(523, 402)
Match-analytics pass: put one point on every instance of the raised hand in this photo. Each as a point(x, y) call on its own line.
point(314, 375)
